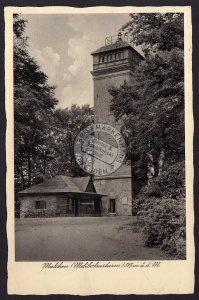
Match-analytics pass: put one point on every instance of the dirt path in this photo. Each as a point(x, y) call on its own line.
point(69, 239)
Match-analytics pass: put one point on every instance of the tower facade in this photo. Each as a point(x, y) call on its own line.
point(113, 64)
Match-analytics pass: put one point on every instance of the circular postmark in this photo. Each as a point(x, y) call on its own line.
point(99, 149)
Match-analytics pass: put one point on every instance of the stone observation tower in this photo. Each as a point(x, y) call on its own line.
point(113, 64)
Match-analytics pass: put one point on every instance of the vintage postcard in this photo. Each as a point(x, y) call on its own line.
point(99, 147)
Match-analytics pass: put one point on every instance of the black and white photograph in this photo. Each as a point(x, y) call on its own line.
point(69, 74)
point(99, 125)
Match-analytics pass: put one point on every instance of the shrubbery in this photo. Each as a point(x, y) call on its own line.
point(160, 208)
point(170, 185)
point(164, 225)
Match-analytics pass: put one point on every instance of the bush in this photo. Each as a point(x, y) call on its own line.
point(160, 207)
point(176, 245)
point(165, 225)
point(170, 185)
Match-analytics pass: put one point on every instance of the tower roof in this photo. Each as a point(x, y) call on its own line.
point(116, 46)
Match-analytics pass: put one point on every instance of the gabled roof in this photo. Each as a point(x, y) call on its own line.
point(81, 182)
point(115, 46)
point(59, 184)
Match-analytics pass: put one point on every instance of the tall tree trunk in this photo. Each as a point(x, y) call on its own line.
point(161, 161)
point(22, 176)
point(20, 170)
point(44, 164)
point(29, 170)
point(156, 157)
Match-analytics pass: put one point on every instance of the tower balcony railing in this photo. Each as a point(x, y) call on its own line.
point(106, 64)
point(117, 38)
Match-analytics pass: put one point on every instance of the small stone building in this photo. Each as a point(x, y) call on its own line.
point(64, 196)
point(61, 196)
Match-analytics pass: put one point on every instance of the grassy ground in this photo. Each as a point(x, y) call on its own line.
point(88, 238)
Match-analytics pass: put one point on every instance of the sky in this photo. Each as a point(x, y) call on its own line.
point(62, 44)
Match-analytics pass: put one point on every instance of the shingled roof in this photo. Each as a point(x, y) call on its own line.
point(115, 46)
point(59, 184)
point(81, 182)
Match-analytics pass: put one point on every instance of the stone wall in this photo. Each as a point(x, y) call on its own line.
point(28, 203)
point(54, 207)
point(118, 189)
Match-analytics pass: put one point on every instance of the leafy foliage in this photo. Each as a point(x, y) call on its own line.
point(26, 70)
point(156, 32)
point(152, 108)
point(67, 125)
point(152, 111)
point(165, 225)
point(34, 102)
point(43, 136)
point(169, 185)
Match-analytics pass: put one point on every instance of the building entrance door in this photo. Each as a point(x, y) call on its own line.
point(76, 208)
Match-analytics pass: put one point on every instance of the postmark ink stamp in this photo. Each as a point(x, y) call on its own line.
point(100, 149)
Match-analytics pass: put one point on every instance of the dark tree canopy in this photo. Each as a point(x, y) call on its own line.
point(26, 70)
point(19, 26)
point(44, 135)
point(152, 108)
point(67, 125)
point(156, 31)
point(34, 103)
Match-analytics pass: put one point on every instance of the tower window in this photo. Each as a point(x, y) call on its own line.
point(102, 59)
point(119, 55)
point(111, 57)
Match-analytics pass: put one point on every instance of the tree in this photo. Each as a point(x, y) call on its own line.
point(34, 103)
point(44, 137)
point(26, 70)
point(153, 113)
point(156, 32)
point(68, 124)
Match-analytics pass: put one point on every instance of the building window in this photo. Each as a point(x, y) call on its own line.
point(40, 205)
point(119, 55)
point(111, 57)
point(86, 206)
point(112, 205)
point(102, 59)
